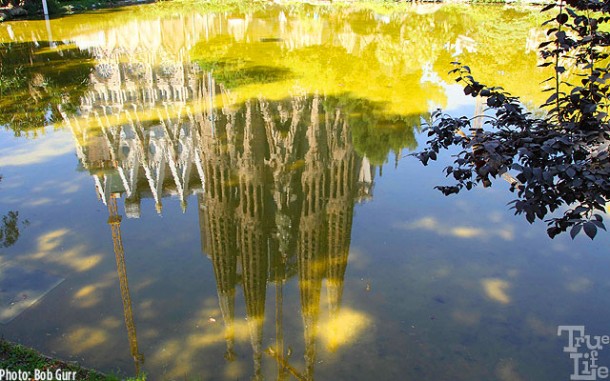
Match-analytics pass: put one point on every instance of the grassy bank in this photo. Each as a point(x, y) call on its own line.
point(15, 357)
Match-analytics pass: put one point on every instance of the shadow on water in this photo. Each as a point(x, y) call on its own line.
point(231, 75)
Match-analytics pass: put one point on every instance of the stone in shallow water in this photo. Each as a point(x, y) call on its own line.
point(21, 287)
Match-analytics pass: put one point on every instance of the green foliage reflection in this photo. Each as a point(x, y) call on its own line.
point(35, 81)
point(9, 228)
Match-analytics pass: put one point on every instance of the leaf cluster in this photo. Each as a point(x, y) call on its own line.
point(556, 163)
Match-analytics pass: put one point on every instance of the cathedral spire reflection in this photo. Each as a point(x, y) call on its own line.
point(114, 220)
point(295, 178)
point(276, 182)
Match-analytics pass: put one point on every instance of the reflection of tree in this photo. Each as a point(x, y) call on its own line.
point(9, 230)
point(324, 55)
point(375, 134)
point(331, 70)
point(495, 42)
point(34, 84)
point(399, 42)
point(360, 48)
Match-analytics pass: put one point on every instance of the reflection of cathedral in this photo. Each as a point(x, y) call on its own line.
point(275, 181)
point(144, 137)
point(276, 184)
point(281, 183)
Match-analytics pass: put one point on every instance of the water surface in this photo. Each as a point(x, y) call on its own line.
point(225, 194)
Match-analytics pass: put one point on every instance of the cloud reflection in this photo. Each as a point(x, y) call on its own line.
point(496, 290)
point(51, 249)
point(432, 224)
point(37, 151)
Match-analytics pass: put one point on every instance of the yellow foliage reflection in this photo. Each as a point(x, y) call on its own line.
point(396, 61)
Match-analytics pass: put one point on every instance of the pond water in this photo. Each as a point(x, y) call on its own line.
point(226, 194)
